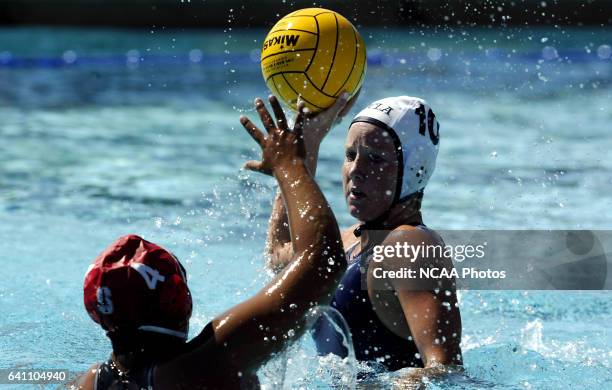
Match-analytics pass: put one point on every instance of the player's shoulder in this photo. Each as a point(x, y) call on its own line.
point(413, 235)
point(425, 247)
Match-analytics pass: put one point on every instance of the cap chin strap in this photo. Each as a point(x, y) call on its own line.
point(379, 222)
point(373, 224)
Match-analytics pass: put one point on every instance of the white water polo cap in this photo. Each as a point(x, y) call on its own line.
point(416, 134)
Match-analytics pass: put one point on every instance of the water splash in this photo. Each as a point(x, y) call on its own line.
point(300, 366)
point(531, 336)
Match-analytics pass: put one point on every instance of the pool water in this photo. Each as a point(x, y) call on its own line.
point(108, 132)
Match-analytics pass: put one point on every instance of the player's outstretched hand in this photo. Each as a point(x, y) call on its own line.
point(281, 147)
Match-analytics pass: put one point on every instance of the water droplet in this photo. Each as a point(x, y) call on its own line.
point(132, 56)
point(604, 52)
point(434, 54)
point(69, 56)
point(549, 53)
point(158, 222)
point(195, 55)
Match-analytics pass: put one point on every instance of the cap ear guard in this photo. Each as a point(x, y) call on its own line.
point(183, 270)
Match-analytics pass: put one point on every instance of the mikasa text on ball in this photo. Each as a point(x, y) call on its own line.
point(314, 53)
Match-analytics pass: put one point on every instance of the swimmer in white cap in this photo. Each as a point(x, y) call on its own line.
point(390, 154)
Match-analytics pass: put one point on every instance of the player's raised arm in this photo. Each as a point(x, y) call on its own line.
point(279, 249)
point(252, 331)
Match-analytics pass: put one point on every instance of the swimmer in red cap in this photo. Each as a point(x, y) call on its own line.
point(137, 291)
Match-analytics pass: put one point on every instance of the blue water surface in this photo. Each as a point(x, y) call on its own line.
point(107, 132)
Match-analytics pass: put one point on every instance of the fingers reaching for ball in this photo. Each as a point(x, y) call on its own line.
point(278, 112)
point(264, 115)
point(348, 105)
point(282, 147)
point(253, 131)
point(298, 127)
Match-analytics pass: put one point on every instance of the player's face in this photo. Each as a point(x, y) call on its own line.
point(369, 173)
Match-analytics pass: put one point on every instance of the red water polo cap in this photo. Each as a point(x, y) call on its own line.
point(137, 285)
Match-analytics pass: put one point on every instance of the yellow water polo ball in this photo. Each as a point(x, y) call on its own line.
point(313, 53)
